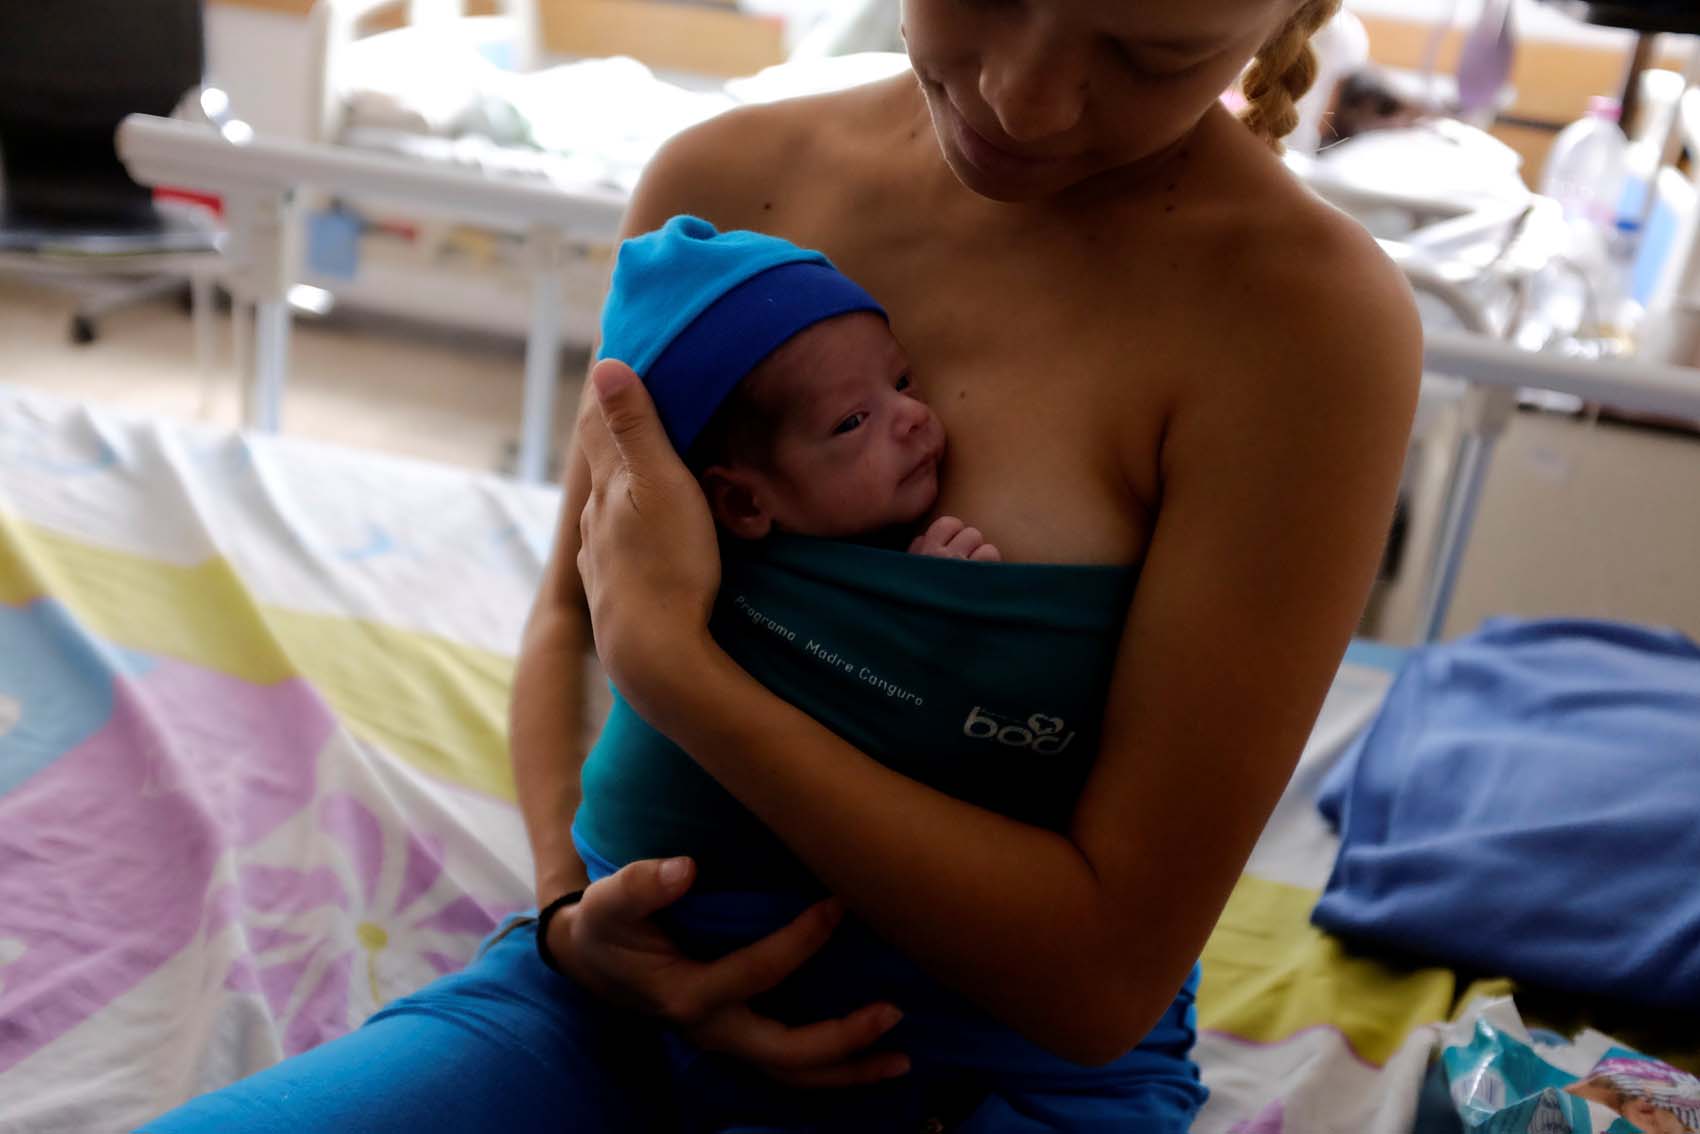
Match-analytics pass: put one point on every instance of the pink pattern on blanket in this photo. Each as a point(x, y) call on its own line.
point(1270, 1120)
point(397, 929)
point(106, 855)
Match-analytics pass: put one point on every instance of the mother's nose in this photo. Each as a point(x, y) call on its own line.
point(1036, 85)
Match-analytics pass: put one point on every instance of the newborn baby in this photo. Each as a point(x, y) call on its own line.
point(780, 382)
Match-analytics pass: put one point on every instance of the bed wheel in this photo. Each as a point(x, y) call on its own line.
point(82, 330)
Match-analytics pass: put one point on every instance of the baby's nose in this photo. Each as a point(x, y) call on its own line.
point(912, 415)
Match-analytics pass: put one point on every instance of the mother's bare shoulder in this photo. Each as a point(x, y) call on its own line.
point(1312, 301)
point(738, 168)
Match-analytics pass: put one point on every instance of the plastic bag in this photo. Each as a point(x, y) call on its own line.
point(1503, 1081)
point(1652, 1097)
point(1501, 1086)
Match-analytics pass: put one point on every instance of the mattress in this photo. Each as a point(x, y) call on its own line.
point(254, 783)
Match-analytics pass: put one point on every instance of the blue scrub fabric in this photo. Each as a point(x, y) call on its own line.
point(510, 1045)
point(1528, 803)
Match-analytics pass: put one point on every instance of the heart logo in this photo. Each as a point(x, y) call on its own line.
point(1043, 725)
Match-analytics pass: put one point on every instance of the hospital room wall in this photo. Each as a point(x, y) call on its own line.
point(1580, 517)
point(261, 57)
point(260, 51)
point(1560, 62)
point(1589, 520)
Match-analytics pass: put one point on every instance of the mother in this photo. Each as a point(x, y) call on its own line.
point(1149, 345)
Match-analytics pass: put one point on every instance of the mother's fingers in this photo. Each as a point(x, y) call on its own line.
point(594, 439)
point(641, 888)
point(632, 436)
point(761, 965)
point(831, 1053)
point(850, 1073)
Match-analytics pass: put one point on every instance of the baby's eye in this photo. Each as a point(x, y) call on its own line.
point(849, 423)
point(903, 382)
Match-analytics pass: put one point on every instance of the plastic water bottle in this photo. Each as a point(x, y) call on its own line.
point(1661, 95)
point(1621, 309)
point(1586, 166)
point(1585, 172)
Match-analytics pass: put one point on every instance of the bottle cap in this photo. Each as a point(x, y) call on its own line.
point(1605, 106)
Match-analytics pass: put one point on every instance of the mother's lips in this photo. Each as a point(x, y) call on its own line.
point(1000, 149)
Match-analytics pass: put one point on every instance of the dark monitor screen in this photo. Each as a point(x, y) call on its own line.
point(85, 63)
point(70, 70)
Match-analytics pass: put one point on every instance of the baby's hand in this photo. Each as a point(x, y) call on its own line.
point(949, 538)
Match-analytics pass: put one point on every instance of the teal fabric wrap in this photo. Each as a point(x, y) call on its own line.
point(986, 681)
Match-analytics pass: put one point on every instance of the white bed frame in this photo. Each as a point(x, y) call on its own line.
point(260, 179)
point(333, 25)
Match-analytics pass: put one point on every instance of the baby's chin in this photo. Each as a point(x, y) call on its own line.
point(894, 524)
point(912, 503)
point(907, 506)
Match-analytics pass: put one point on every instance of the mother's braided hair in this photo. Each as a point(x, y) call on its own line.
point(1283, 70)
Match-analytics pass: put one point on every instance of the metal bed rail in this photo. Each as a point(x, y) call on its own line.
point(259, 179)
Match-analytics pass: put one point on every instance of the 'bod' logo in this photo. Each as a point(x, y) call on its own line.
point(1038, 732)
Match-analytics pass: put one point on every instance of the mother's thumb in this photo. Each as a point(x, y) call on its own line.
point(629, 413)
point(641, 888)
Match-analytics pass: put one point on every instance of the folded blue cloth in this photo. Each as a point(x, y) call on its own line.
point(1528, 803)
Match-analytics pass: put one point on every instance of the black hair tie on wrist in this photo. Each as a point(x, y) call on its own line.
point(544, 917)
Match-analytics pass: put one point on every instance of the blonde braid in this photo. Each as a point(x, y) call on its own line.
point(1284, 69)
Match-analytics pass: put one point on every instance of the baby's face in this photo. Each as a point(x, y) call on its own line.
point(1651, 1119)
point(856, 450)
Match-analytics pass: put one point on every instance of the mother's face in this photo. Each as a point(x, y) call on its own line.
point(1030, 97)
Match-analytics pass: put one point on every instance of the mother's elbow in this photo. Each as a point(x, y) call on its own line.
point(1105, 1027)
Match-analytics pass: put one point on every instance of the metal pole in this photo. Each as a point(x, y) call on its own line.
point(206, 335)
point(1487, 413)
point(271, 363)
point(542, 354)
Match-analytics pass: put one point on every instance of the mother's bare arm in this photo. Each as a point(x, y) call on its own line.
point(607, 941)
point(547, 711)
point(1278, 483)
point(546, 715)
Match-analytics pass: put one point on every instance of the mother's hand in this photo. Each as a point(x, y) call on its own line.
point(648, 556)
point(609, 945)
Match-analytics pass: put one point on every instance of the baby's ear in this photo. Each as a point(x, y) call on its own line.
point(735, 498)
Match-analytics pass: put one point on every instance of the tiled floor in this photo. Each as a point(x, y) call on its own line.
point(1577, 519)
point(358, 380)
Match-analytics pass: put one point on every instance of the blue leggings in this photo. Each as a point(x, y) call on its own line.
point(509, 1045)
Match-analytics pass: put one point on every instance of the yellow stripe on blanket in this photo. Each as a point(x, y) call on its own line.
point(1269, 974)
point(435, 704)
point(201, 614)
point(439, 705)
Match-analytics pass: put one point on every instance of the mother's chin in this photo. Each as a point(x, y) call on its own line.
point(989, 170)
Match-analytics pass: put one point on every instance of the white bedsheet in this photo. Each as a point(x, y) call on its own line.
point(253, 780)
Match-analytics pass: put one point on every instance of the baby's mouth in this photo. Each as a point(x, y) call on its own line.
point(926, 463)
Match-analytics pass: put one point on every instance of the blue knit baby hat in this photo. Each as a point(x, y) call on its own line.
point(694, 310)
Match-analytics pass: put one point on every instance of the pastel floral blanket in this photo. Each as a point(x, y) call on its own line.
point(254, 782)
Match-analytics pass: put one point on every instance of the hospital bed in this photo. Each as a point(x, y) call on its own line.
point(552, 214)
point(254, 783)
point(253, 779)
point(523, 94)
point(262, 179)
